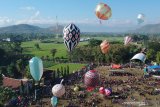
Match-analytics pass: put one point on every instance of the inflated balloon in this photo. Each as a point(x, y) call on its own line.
point(103, 11)
point(36, 68)
point(101, 90)
point(140, 18)
point(54, 101)
point(144, 50)
point(76, 89)
point(105, 46)
point(71, 36)
point(58, 90)
point(91, 78)
point(127, 40)
point(108, 91)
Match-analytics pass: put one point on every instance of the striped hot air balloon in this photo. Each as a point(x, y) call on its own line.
point(91, 78)
point(105, 46)
point(127, 40)
point(103, 11)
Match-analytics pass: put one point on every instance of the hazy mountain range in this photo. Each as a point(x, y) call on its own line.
point(25, 28)
point(149, 28)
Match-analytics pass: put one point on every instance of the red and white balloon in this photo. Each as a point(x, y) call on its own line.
point(91, 78)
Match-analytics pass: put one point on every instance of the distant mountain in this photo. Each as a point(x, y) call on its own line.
point(149, 28)
point(25, 28)
point(58, 29)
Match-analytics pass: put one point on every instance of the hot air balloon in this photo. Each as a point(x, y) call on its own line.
point(58, 90)
point(127, 40)
point(71, 36)
point(108, 91)
point(140, 18)
point(103, 11)
point(104, 46)
point(91, 78)
point(76, 89)
point(101, 90)
point(54, 101)
point(36, 68)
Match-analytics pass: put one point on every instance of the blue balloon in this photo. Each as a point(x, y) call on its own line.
point(36, 68)
point(54, 101)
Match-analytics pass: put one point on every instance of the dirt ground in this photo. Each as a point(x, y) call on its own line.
point(137, 91)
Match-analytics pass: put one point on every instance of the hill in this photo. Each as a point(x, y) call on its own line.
point(25, 28)
point(149, 28)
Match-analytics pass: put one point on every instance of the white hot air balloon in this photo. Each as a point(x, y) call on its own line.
point(140, 18)
point(58, 90)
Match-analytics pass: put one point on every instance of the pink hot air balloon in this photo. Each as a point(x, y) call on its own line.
point(91, 78)
point(108, 91)
point(127, 40)
point(101, 90)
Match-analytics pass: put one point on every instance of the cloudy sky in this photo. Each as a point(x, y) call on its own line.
point(81, 12)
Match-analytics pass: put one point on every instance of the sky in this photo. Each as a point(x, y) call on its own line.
point(46, 13)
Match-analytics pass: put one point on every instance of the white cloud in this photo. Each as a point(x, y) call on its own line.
point(5, 21)
point(29, 8)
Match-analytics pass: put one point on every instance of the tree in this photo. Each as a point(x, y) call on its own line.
point(67, 70)
point(10, 70)
point(62, 73)
point(58, 73)
point(151, 55)
point(2, 54)
point(20, 66)
point(158, 57)
point(53, 52)
point(37, 46)
point(94, 42)
point(54, 75)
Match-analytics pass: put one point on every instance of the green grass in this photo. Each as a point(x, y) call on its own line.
point(45, 48)
point(72, 66)
point(114, 38)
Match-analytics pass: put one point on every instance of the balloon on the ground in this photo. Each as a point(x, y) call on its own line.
point(71, 36)
point(76, 89)
point(108, 91)
point(58, 90)
point(127, 40)
point(91, 78)
point(36, 68)
point(54, 101)
point(105, 46)
point(103, 11)
point(101, 90)
point(140, 18)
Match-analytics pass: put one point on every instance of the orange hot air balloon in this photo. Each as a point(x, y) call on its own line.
point(103, 11)
point(105, 46)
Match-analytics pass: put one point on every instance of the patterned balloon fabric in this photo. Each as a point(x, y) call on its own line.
point(127, 40)
point(71, 36)
point(105, 46)
point(91, 78)
point(103, 11)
